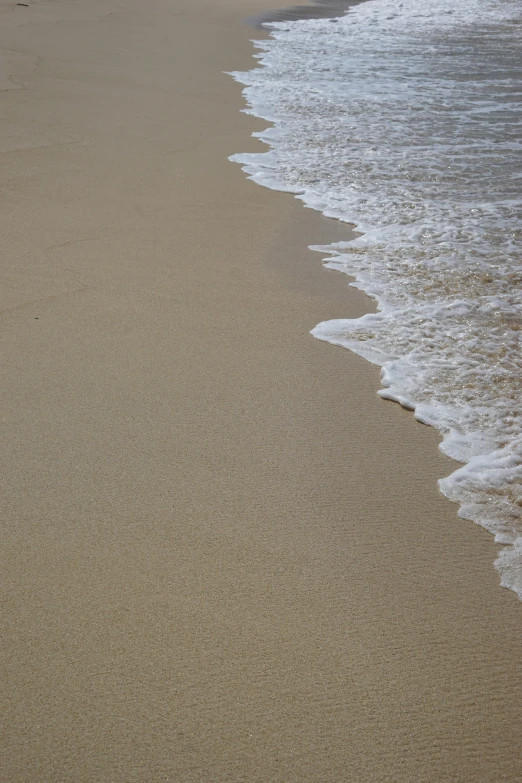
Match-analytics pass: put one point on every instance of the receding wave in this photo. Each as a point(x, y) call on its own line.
point(405, 119)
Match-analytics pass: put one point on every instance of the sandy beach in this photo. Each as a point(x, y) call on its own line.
point(210, 571)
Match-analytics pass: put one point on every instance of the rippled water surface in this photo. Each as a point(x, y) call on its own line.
point(406, 119)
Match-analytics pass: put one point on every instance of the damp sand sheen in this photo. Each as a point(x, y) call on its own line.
point(224, 557)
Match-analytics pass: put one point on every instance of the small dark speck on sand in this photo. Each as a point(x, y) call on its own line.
point(25, 5)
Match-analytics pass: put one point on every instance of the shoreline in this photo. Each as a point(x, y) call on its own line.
point(212, 572)
point(315, 9)
point(396, 385)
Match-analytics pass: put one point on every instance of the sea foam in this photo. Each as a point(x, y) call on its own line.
point(405, 120)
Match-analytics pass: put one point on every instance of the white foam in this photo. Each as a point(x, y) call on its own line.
point(405, 119)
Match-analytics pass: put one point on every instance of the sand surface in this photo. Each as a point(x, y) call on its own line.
point(224, 558)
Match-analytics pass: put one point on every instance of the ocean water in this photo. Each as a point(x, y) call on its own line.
point(405, 118)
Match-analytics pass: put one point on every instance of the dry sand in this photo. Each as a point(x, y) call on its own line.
point(224, 557)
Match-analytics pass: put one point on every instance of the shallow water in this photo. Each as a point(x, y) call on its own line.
point(406, 120)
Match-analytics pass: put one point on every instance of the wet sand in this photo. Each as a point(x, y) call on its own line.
point(224, 558)
point(320, 9)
